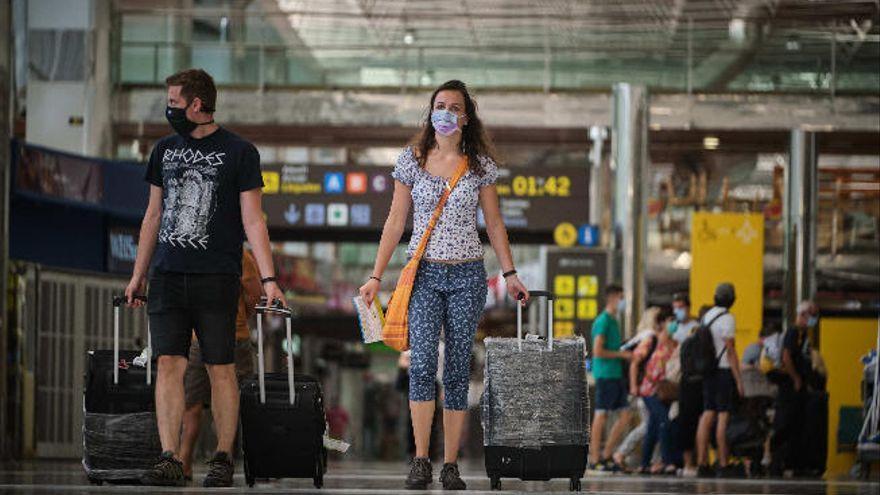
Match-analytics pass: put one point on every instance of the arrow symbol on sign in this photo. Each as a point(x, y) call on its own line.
point(292, 215)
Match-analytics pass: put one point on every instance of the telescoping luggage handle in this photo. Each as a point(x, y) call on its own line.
point(536, 293)
point(118, 302)
point(279, 309)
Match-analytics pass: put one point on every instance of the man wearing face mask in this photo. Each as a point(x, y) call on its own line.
point(205, 186)
point(684, 325)
point(791, 400)
point(690, 395)
point(611, 386)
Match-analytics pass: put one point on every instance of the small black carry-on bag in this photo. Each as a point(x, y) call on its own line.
point(282, 418)
point(120, 435)
point(535, 407)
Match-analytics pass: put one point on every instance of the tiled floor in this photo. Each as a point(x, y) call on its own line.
point(386, 478)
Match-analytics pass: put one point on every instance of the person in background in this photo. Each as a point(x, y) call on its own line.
point(658, 429)
point(337, 420)
point(196, 383)
point(611, 388)
point(703, 310)
point(791, 400)
point(401, 384)
point(752, 353)
point(690, 389)
point(683, 428)
point(719, 387)
point(646, 329)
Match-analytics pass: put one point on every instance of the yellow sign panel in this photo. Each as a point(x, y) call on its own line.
point(729, 247)
point(588, 286)
point(562, 329)
point(587, 309)
point(565, 235)
point(271, 182)
point(563, 285)
point(563, 309)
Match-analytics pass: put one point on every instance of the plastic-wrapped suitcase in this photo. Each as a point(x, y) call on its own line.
point(535, 407)
point(282, 418)
point(120, 435)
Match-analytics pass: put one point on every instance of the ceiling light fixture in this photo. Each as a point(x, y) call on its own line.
point(409, 37)
point(711, 142)
point(736, 30)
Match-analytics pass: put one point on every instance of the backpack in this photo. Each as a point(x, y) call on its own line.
point(698, 358)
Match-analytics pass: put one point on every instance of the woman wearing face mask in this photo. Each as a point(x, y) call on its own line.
point(658, 428)
point(450, 287)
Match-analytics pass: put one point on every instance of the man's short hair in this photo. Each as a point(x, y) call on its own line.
point(612, 289)
point(682, 298)
point(195, 83)
point(806, 307)
point(725, 295)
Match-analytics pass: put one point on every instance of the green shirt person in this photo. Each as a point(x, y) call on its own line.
point(611, 387)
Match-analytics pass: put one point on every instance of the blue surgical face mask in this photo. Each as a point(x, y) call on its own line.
point(444, 122)
point(813, 321)
point(621, 305)
point(680, 314)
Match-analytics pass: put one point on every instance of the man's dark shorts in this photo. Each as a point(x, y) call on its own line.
point(179, 303)
point(611, 394)
point(718, 390)
point(197, 383)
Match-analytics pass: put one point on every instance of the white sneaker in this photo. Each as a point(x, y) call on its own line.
point(688, 473)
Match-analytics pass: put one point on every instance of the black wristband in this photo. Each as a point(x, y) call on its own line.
point(268, 279)
point(376, 278)
point(507, 274)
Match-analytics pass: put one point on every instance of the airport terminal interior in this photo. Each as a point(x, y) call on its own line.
point(688, 190)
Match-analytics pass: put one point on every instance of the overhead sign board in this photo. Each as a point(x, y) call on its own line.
point(359, 197)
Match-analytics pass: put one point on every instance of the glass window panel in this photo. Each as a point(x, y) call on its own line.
point(144, 28)
point(138, 64)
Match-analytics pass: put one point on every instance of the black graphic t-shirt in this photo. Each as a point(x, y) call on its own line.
point(201, 229)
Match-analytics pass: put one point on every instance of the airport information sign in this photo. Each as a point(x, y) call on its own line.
point(577, 277)
point(358, 197)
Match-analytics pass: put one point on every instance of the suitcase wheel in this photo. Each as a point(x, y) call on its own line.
point(250, 481)
point(96, 481)
point(319, 481)
point(495, 483)
point(574, 485)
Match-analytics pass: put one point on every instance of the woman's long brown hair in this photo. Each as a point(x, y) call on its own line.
point(474, 139)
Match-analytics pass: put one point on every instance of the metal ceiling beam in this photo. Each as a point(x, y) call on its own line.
point(291, 36)
point(663, 142)
point(716, 71)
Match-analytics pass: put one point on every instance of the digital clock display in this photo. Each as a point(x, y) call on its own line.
point(530, 186)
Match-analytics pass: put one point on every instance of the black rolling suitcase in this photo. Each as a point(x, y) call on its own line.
point(282, 419)
point(814, 442)
point(535, 407)
point(120, 435)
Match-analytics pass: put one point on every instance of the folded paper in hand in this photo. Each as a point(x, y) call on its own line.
point(371, 319)
point(334, 444)
point(141, 360)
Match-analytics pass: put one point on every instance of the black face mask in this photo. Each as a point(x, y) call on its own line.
point(182, 125)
